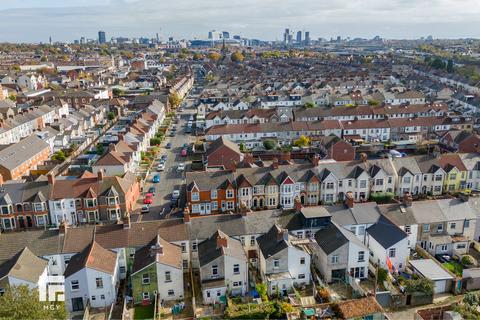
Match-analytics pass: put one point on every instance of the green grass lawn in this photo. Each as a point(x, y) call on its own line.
point(455, 267)
point(144, 312)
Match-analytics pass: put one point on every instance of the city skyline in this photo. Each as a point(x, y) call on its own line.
point(35, 21)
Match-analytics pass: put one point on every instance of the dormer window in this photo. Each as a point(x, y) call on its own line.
point(111, 201)
point(195, 196)
point(229, 193)
point(39, 206)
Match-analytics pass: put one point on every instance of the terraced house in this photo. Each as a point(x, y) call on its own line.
point(328, 181)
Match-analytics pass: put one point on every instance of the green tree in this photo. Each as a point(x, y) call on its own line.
point(262, 291)
point(242, 147)
point(20, 302)
point(100, 149)
point(269, 144)
point(59, 156)
point(450, 66)
point(309, 105)
point(118, 92)
point(155, 141)
point(43, 59)
point(237, 56)
point(437, 63)
point(372, 102)
point(12, 97)
point(110, 115)
point(214, 56)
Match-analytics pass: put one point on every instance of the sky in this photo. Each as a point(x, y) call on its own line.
point(66, 20)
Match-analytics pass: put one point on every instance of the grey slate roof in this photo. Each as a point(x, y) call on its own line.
point(24, 265)
point(386, 233)
point(272, 242)
point(209, 249)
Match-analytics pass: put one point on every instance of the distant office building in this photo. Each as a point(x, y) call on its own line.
point(101, 37)
point(307, 38)
point(237, 37)
point(215, 35)
point(82, 40)
point(286, 36)
point(170, 39)
point(339, 39)
point(226, 35)
point(299, 37)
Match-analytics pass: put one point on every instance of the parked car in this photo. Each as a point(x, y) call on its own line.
point(184, 152)
point(172, 133)
point(188, 130)
point(145, 208)
point(161, 166)
point(168, 146)
point(175, 194)
point(181, 167)
point(164, 157)
point(151, 190)
point(148, 198)
point(156, 178)
point(185, 145)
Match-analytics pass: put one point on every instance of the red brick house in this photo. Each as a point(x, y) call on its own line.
point(223, 153)
point(460, 141)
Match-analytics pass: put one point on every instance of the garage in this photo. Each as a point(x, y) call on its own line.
point(429, 269)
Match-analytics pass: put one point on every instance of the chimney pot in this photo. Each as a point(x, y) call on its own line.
point(275, 163)
point(112, 147)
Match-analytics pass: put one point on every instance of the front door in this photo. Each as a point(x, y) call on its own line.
point(29, 222)
point(21, 222)
point(77, 304)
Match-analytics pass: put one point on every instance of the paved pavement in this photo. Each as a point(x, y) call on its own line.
point(170, 179)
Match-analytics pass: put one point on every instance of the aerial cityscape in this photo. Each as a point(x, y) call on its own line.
point(198, 160)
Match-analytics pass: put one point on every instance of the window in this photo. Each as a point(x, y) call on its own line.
point(213, 194)
point(426, 227)
point(230, 205)
point(444, 247)
point(440, 228)
point(122, 269)
point(334, 259)
point(168, 276)
point(94, 298)
point(363, 183)
point(208, 294)
point(74, 284)
point(408, 230)
point(437, 188)
point(99, 283)
point(146, 295)
point(302, 260)
point(215, 270)
point(361, 230)
point(438, 177)
point(379, 182)
point(301, 276)
point(194, 246)
point(102, 297)
point(406, 179)
point(453, 176)
point(237, 283)
point(2, 291)
point(185, 264)
point(466, 223)
point(453, 225)
point(276, 263)
point(461, 246)
point(236, 269)
point(361, 256)
point(195, 196)
point(171, 293)
point(392, 252)
point(329, 185)
point(389, 180)
point(145, 278)
point(184, 247)
point(229, 193)
point(252, 240)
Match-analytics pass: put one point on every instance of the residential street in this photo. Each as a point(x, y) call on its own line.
point(170, 179)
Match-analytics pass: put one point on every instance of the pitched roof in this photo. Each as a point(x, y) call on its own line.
point(220, 244)
point(95, 257)
point(157, 250)
point(386, 233)
point(359, 308)
point(24, 265)
point(274, 241)
point(330, 238)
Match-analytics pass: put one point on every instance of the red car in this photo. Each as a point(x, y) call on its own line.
point(148, 198)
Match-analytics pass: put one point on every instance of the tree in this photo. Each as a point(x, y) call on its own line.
point(118, 92)
point(309, 105)
point(12, 97)
point(110, 115)
point(43, 59)
point(450, 66)
point(242, 147)
point(303, 141)
point(262, 291)
point(198, 56)
point(237, 56)
point(20, 302)
point(269, 144)
point(59, 156)
point(174, 100)
point(100, 149)
point(372, 102)
point(155, 141)
point(214, 56)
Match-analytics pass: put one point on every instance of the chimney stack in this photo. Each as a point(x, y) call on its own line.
point(298, 204)
point(349, 199)
point(186, 214)
point(407, 199)
point(51, 179)
point(112, 147)
point(275, 163)
point(127, 223)
point(121, 137)
point(363, 157)
point(222, 242)
point(100, 174)
point(315, 160)
point(248, 158)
